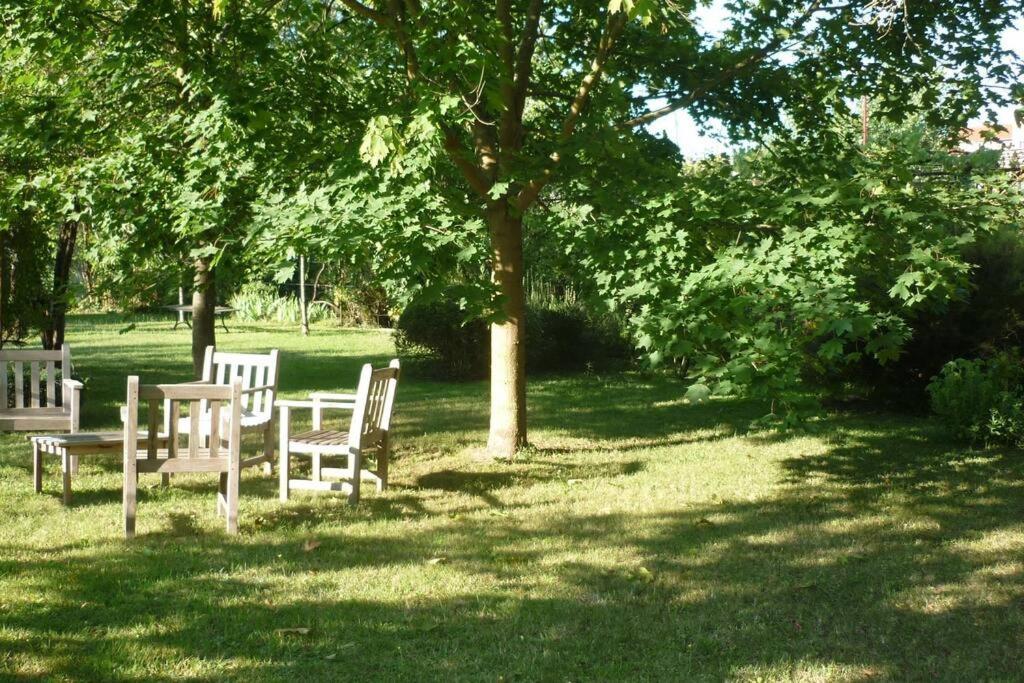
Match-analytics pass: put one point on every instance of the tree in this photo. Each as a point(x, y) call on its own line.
point(178, 97)
point(516, 89)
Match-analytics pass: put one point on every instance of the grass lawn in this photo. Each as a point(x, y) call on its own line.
point(640, 539)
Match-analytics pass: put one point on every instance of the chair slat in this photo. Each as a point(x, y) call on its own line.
point(152, 426)
point(194, 416)
point(214, 429)
point(51, 393)
point(33, 389)
point(19, 384)
point(174, 412)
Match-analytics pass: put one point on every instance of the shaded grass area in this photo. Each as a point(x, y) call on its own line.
point(639, 539)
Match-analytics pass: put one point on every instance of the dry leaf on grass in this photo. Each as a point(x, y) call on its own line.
point(437, 560)
point(310, 545)
point(294, 631)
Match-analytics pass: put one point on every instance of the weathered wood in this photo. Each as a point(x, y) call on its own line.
point(259, 376)
point(189, 391)
point(19, 385)
point(51, 384)
point(197, 457)
point(368, 434)
point(37, 467)
point(39, 406)
point(33, 388)
point(131, 478)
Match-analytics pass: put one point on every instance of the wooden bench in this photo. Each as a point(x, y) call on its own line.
point(368, 434)
point(35, 404)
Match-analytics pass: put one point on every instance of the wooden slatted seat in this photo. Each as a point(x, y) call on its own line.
point(218, 451)
point(368, 436)
point(29, 395)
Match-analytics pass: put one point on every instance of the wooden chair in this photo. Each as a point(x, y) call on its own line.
point(258, 373)
point(219, 407)
point(29, 408)
point(368, 435)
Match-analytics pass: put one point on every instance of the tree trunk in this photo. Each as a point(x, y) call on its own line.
point(508, 337)
point(303, 308)
point(204, 302)
point(53, 335)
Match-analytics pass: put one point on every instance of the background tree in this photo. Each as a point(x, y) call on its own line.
point(517, 88)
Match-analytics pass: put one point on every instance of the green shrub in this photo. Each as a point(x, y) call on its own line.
point(438, 333)
point(568, 337)
point(560, 337)
point(982, 400)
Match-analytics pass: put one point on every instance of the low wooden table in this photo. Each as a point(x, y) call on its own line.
point(69, 447)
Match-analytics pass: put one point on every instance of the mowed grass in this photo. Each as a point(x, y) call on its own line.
point(639, 539)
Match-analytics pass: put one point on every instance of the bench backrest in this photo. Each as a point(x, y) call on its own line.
point(176, 401)
point(254, 370)
point(375, 401)
point(42, 367)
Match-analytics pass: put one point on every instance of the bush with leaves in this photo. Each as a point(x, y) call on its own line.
point(815, 255)
point(982, 400)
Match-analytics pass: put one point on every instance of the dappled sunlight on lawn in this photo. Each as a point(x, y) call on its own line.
point(638, 537)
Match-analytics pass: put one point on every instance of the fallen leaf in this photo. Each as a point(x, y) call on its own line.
point(705, 522)
point(437, 560)
point(310, 545)
point(645, 574)
point(294, 631)
point(574, 481)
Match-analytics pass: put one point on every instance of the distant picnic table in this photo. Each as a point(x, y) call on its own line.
point(184, 310)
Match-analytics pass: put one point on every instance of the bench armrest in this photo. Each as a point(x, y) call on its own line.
point(71, 402)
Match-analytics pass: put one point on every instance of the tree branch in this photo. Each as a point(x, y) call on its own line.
point(460, 157)
point(725, 75)
point(616, 23)
point(359, 8)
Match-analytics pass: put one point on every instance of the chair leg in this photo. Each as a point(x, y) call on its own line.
point(268, 450)
point(233, 481)
point(222, 494)
point(131, 483)
point(356, 467)
point(74, 465)
point(283, 465)
point(65, 470)
point(165, 478)
point(383, 455)
point(37, 467)
point(317, 470)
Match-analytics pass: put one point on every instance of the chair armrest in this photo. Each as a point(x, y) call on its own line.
point(334, 397)
point(72, 384)
point(286, 403)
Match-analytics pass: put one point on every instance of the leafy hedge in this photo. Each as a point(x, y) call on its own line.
point(559, 338)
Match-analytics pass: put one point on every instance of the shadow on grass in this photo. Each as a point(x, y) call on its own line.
point(812, 582)
point(888, 555)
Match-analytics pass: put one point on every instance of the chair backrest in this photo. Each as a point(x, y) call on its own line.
point(375, 401)
point(42, 369)
point(185, 401)
point(254, 369)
